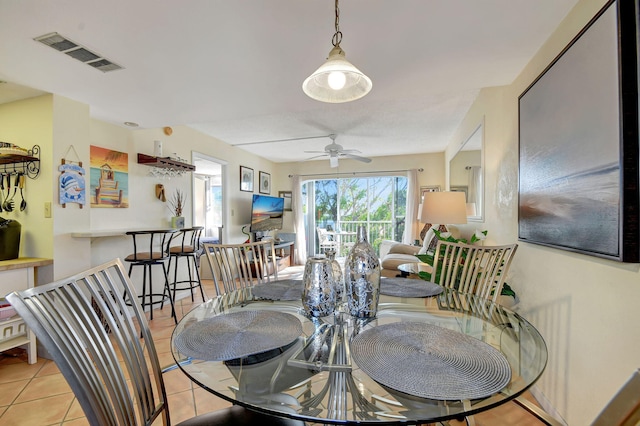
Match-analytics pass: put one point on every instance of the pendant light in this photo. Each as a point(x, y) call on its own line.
point(337, 80)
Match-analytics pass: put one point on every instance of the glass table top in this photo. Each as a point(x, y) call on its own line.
point(316, 378)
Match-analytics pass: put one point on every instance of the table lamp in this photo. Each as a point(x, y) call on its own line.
point(444, 208)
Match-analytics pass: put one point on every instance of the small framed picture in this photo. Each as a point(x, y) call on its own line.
point(265, 182)
point(432, 188)
point(246, 179)
point(287, 199)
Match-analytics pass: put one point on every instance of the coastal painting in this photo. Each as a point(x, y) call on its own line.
point(578, 149)
point(109, 178)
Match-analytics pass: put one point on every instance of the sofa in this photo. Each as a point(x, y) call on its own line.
point(393, 253)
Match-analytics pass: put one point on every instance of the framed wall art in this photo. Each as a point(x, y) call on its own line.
point(265, 182)
point(287, 195)
point(109, 178)
point(578, 121)
point(246, 179)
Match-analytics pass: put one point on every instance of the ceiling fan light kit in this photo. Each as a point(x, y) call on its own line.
point(337, 80)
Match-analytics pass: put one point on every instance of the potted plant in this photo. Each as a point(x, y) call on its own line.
point(507, 296)
point(176, 204)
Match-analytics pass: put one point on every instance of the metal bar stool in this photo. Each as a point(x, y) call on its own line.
point(188, 249)
point(158, 251)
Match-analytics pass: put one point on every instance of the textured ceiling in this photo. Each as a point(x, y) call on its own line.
point(234, 68)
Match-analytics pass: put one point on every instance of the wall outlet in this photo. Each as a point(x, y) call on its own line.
point(47, 209)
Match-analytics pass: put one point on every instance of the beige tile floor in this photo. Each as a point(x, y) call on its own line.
point(38, 395)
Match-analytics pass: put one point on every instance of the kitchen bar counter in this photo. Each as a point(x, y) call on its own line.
point(24, 262)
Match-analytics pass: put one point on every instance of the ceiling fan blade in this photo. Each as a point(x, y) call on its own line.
point(357, 157)
point(316, 156)
point(333, 161)
point(315, 152)
point(351, 151)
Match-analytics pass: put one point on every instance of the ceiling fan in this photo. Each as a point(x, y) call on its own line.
point(335, 151)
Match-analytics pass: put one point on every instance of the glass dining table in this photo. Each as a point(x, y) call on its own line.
point(420, 360)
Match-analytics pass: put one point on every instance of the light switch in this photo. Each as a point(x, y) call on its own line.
point(47, 209)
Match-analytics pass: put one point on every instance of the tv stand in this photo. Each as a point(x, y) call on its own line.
point(284, 257)
point(284, 253)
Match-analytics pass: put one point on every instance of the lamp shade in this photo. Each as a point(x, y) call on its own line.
point(337, 80)
point(444, 208)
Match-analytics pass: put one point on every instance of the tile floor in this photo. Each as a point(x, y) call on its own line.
point(38, 395)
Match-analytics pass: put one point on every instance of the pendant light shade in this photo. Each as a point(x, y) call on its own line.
point(337, 80)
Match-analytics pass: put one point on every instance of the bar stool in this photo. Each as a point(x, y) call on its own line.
point(188, 249)
point(158, 251)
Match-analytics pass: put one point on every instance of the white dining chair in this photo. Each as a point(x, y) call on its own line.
point(105, 351)
point(478, 270)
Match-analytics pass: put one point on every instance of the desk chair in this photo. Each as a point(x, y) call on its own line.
point(157, 243)
point(479, 270)
point(189, 250)
point(235, 266)
point(115, 375)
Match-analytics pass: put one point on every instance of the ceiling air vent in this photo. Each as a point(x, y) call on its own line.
point(76, 51)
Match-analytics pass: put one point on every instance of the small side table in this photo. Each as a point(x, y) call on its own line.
point(415, 268)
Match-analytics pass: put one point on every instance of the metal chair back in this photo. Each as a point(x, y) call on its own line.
point(479, 270)
point(624, 407)
point(235, 266)
point(99, 344)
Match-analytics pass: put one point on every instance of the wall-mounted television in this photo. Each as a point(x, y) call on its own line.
point(266, 213)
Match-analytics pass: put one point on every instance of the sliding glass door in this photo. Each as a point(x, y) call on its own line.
point(339, 206)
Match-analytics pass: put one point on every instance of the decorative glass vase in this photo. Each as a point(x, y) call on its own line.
point(318, 292)
point(338, 280)
point(362, 278)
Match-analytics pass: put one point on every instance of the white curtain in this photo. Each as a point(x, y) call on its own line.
point(298, 222)
point(411, 220)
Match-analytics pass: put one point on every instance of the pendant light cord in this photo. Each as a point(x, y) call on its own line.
point(337, 37)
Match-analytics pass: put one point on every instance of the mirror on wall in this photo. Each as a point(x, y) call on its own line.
point(466, 173)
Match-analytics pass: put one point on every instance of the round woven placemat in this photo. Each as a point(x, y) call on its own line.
point(238, 334)
point(430, 361)
point(278, 290)
point(404, 287)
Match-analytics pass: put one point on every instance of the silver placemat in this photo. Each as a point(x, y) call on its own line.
point(278, 290)
point(430, 361)
point(404, 287)
point(238, 334)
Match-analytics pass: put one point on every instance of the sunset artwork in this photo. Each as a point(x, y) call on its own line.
point(109, 178)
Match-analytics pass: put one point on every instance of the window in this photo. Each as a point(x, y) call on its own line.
point(341, 205)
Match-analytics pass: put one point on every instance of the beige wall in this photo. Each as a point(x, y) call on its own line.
point(585, 307)
point(27, 123)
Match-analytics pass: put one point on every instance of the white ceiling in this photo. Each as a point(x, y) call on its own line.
point(234, 68)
